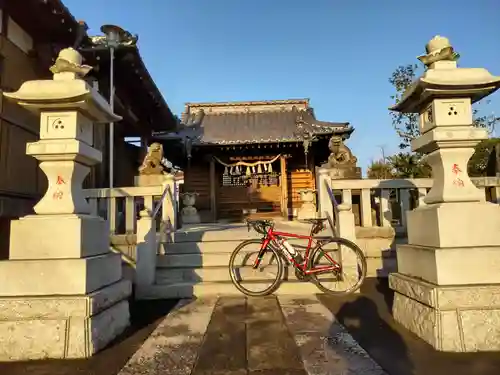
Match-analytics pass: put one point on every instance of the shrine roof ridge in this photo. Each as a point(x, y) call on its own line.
point(304, 101)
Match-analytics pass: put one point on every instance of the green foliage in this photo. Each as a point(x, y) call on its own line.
point(400, 165)
point(379, 169)
point(405, 124)
point(409, 165)
point(484, 158)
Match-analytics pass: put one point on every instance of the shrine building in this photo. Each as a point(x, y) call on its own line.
point(251, 159)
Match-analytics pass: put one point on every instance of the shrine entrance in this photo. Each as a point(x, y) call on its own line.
point(250, 187)
point(251, 159)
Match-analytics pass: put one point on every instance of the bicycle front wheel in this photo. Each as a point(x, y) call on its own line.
point(351, 274)
point(263, 280)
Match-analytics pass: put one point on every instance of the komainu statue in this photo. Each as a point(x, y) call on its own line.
point(341, 162)
point(340, 153)
point(152, 163)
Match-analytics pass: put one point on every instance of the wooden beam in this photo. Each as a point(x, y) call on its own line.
point(284, 187)
point(213, 181)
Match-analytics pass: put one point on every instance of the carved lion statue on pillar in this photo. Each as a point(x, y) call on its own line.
point(340, 153)
point(152, 163)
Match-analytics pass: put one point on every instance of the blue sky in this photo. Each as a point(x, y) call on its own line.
point(339, 54)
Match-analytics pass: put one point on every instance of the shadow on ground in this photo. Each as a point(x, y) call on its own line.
point(367, 317)
point(145, 316)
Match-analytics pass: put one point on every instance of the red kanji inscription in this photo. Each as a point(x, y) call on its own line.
point(456, 169)
point(60, 181)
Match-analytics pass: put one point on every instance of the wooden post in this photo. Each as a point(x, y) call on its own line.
point(284, 187)
point(213, 202)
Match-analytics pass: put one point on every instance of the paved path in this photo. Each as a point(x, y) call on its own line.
point(232, 336)
point(240, 336)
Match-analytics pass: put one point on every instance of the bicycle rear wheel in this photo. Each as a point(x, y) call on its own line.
point(352, 272)
point(261, 281)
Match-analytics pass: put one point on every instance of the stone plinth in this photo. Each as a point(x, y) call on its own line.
point(345, 172)
point(447, 289)
point(61, 292)
point(455, 318)
point(150, 179)
point(73, 326)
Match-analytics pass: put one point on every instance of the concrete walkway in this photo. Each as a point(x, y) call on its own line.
point(240, 336)
point(284, 335)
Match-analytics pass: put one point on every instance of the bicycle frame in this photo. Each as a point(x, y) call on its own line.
point(273, 237)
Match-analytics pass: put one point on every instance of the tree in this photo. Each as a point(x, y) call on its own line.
point(484, 162)
point(407, 164)
point(405, 124)
point(379, 169)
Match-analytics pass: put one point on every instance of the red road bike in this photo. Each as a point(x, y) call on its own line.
point(322, 257)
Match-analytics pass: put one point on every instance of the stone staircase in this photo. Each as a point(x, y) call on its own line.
point(196, 263)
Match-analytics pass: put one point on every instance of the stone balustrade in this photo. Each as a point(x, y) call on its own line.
point(382, 203)
point(121, 207)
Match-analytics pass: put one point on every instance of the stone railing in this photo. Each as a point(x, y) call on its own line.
point(372, 212)
point(383, 203)
point(121, 207)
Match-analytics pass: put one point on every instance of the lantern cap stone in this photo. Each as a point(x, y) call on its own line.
point(438, 48)
point(67, 90)
point(69, 61)
point(443, 79)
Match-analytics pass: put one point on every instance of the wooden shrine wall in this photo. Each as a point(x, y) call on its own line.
point(197, 180)
point(234, 195)
point(298, 180)
point(232, 200)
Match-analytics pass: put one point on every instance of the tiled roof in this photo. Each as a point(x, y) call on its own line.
point(267, 126)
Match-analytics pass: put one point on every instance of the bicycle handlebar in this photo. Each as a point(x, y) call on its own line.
point(260, 226)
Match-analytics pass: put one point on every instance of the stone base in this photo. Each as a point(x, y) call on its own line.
point(458, 318)
point(58, 276)
point(58, 236)
point(62, 326)
point(191, 219)
point(450, 266)
point(454, 224)
point(338, 172)
point(150, 179)
point(307, 212)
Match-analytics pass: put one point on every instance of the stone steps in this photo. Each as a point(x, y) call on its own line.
point(206, 247)
point(233, 232)
point(218, 255)
point(212, 274)
point(196, 263)
point(206, 288)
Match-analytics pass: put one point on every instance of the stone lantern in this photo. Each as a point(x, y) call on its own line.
point(448, 283)
point(62, 294)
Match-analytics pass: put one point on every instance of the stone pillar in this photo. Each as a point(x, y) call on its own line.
point(323, 184)
point(147, 248)
point(448, 280)
point(346, 229)
point(61, 292)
